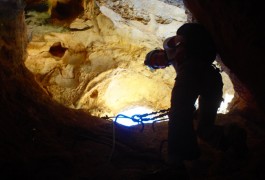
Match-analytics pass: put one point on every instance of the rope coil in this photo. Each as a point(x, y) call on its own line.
point(156, 116)
point(139, 118)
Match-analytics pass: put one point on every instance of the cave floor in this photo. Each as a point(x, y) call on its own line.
point(94, 156)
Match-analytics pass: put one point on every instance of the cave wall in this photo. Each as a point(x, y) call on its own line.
point(101, 68)
point(239, 35)
point(118, 24)
point(30, 122)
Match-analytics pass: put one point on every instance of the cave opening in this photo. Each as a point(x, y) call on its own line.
point(97, 64)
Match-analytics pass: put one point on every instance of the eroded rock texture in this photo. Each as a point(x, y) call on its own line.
point(96, 62)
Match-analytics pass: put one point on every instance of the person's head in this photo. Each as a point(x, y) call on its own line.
point(173, 53)
point(198, 41)
point(156, 59)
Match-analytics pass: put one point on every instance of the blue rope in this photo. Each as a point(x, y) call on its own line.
point(139, 118)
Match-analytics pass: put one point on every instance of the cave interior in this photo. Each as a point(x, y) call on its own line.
point(55, 126)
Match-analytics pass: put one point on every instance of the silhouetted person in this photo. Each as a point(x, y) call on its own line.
point(192, 53)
